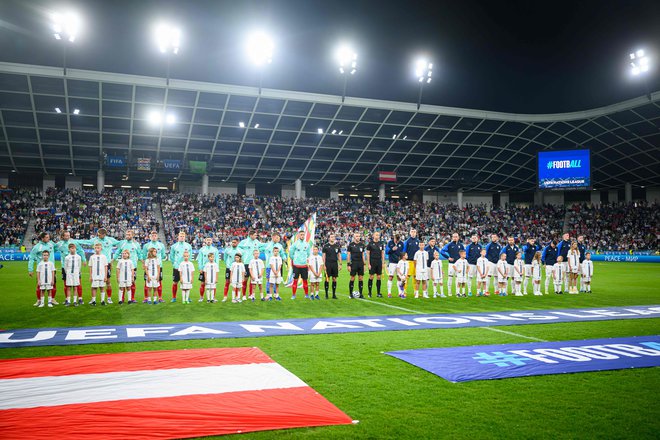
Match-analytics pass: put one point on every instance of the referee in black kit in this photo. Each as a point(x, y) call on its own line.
point(332, 264)
point(376, 256)
point(356, 263)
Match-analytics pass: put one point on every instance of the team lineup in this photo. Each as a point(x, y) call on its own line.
point(505, 269)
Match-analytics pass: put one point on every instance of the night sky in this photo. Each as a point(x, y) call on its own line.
point(516, 56)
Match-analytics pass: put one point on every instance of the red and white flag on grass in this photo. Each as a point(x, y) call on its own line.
point(156, 394)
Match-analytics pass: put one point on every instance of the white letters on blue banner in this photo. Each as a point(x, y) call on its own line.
point(482, 362)
point(285, 327)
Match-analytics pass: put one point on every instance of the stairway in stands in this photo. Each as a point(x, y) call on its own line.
point(29, 233)
point(567, 224)
point(158, 213)
point(262, 214)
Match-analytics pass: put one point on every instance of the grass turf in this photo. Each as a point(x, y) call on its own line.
point(391, 398)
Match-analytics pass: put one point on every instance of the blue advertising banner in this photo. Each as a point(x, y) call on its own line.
point(284, 327)
point(171, 165)
point(564, 169)
point(482, 362)
point(626, 258)
point(115, 161)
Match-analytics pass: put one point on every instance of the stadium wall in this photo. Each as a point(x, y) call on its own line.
point(554, 198)
point(653, 195)
point(289, 192)
point(73, 182)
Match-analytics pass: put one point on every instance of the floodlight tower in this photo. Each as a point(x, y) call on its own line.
point(65, 27)
point(640, 65)
point(260, 51)
point(347, 59)
point(424, 74)
point(168, 39)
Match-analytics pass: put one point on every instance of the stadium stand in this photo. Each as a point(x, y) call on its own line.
point(618, 227)
point(614, 227)
point(83, 212)
point(16, 210)
point(222, 216)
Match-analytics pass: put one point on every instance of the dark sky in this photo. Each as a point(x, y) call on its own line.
point(517, 56)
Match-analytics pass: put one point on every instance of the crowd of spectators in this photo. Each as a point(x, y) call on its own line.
point(221, 216)
point(16, 210)
point(617, 227)
point(84, 212)
point(228, 215)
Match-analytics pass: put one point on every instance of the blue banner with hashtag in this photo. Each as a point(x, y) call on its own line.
point(482, 362)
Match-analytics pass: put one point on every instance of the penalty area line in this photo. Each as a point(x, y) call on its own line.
point(493, 329)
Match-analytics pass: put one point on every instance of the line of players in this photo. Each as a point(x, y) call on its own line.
point(491, 265)
point(507, 264)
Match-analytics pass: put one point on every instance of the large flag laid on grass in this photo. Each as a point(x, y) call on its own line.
point(156, 394)
point(309, 228)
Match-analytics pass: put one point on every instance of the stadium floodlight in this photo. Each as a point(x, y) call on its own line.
point(319, 130)
point(347, 59)
point(241, 124)
point(76, 111)
point(260, 48)
point(168, 38)
point(639, 62)
point(424, 74)
point(58, 110)
point(256, 125)
point(66, 26)
point(157, 118)
point(424, 71)
point(260, 51)
point(640, 65)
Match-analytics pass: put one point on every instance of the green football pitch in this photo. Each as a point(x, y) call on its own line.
point(390, 398)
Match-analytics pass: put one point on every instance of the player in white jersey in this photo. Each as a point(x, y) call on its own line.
point(152, 275)
point(502, 274)
point(211, 271)
point(125, 278)
point(437, 275)
point(573, 268)
point(587, 271)
point(72, 264)
point(558, 274)
point(45, 279)
point(518, 274)
point(461, 270)
point(316, 267)
point(421, 258)
point(483, 271)
point(186, 276)
point(257, 269)
point(536, 274)
point(237, 275)
point(402, 274)
point(98, 273)
point(275, 275)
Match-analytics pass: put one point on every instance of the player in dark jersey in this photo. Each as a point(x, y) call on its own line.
point(375, 257)
point(332, 264)
point(356, 263)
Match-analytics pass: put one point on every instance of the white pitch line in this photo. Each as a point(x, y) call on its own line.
point(424, 313)
point(513, 334)
point(392, 307)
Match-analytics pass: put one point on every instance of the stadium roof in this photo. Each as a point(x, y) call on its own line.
point(277, 136)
